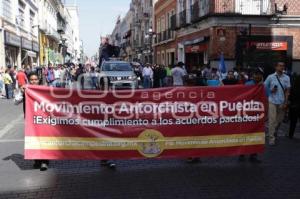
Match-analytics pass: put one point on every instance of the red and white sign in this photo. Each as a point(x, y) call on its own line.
point(277, 46)
point(196, 48)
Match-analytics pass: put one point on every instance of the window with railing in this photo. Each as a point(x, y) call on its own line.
point(7, 10)
point(252, 7)
point(169, 34)
point(32, 16)
point(173, 22)
point(245, 7)
point(21, 18)
point(21, 14)
point(182, 18)
point(195, 11)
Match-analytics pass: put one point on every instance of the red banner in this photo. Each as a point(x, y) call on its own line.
point(155, 123)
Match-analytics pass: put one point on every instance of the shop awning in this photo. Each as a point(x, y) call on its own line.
point(30, 53)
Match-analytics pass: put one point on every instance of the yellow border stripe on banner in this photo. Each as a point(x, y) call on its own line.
point(164, 143)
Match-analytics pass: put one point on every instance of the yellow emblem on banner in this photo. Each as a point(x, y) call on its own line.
point(151, 143)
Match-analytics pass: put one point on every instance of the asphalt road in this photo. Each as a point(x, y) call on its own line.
point(277, 177)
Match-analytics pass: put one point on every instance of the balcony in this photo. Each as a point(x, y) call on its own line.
point(242, 7)
point(182, 19)
point(7, 11)
point(51, 32)
point(169, 34)
point(158, 38)
point(173, 22)
point(164, 35)
point(61, 28)
point(195, 12)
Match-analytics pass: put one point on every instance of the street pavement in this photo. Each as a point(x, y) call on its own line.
point(277, 176)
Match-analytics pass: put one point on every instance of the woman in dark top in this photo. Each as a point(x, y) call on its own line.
point(34, 80)
point(294, 110)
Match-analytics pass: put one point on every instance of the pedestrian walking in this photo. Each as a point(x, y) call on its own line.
point(57, 72)
point(21, 78)
point(8, 82)
point(49, 75)
point(178, 74)
point(294, 106)
point(279, 86)
point(2, 89)
point(13, 74)
point(230, 79)
point(215, 74)
point(207, 72)
point(162, 73)
point(93, 76)
point(80, 76)
point(156, 76)
point(168, 79)
point(147, 76)
point(67, 77)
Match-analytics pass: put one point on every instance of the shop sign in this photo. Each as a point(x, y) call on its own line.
point(270, 45)
point(12, 39)
point(35, 46)
point(26, 44)
point(196, 48)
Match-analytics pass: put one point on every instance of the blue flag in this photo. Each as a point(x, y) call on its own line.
point(222, 66)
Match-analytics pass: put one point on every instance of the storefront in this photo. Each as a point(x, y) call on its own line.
point(196, 56)
point(36, 50)
point(54, 57)
point(28, 57)
point(264, 51)
point(12, 48)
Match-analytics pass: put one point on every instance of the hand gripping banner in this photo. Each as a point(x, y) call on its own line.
point(157, 123)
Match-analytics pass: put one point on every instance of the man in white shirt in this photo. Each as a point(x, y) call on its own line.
point(147, 76)
point(57, 76)
point(278, 84)
point(178, 74)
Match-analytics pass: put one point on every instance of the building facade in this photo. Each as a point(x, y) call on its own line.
point(48, 29)
point(19, 33)
point(249, 33)
point(142, 11)
point(126, 39)
point(74, 43)
point(165, 46)
point(34, 32)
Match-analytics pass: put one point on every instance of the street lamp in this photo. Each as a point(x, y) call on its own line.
point(150, 36)
point(63, 47)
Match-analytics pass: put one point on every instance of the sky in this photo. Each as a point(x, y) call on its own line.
point(98, 17)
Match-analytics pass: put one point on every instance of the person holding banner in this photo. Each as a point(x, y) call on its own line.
point(279, 86)
point(257, 78)
point(33, 79)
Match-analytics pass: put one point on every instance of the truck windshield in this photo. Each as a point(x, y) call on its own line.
point(116, 67)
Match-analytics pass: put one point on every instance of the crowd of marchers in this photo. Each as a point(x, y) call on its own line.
point(282, 89)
